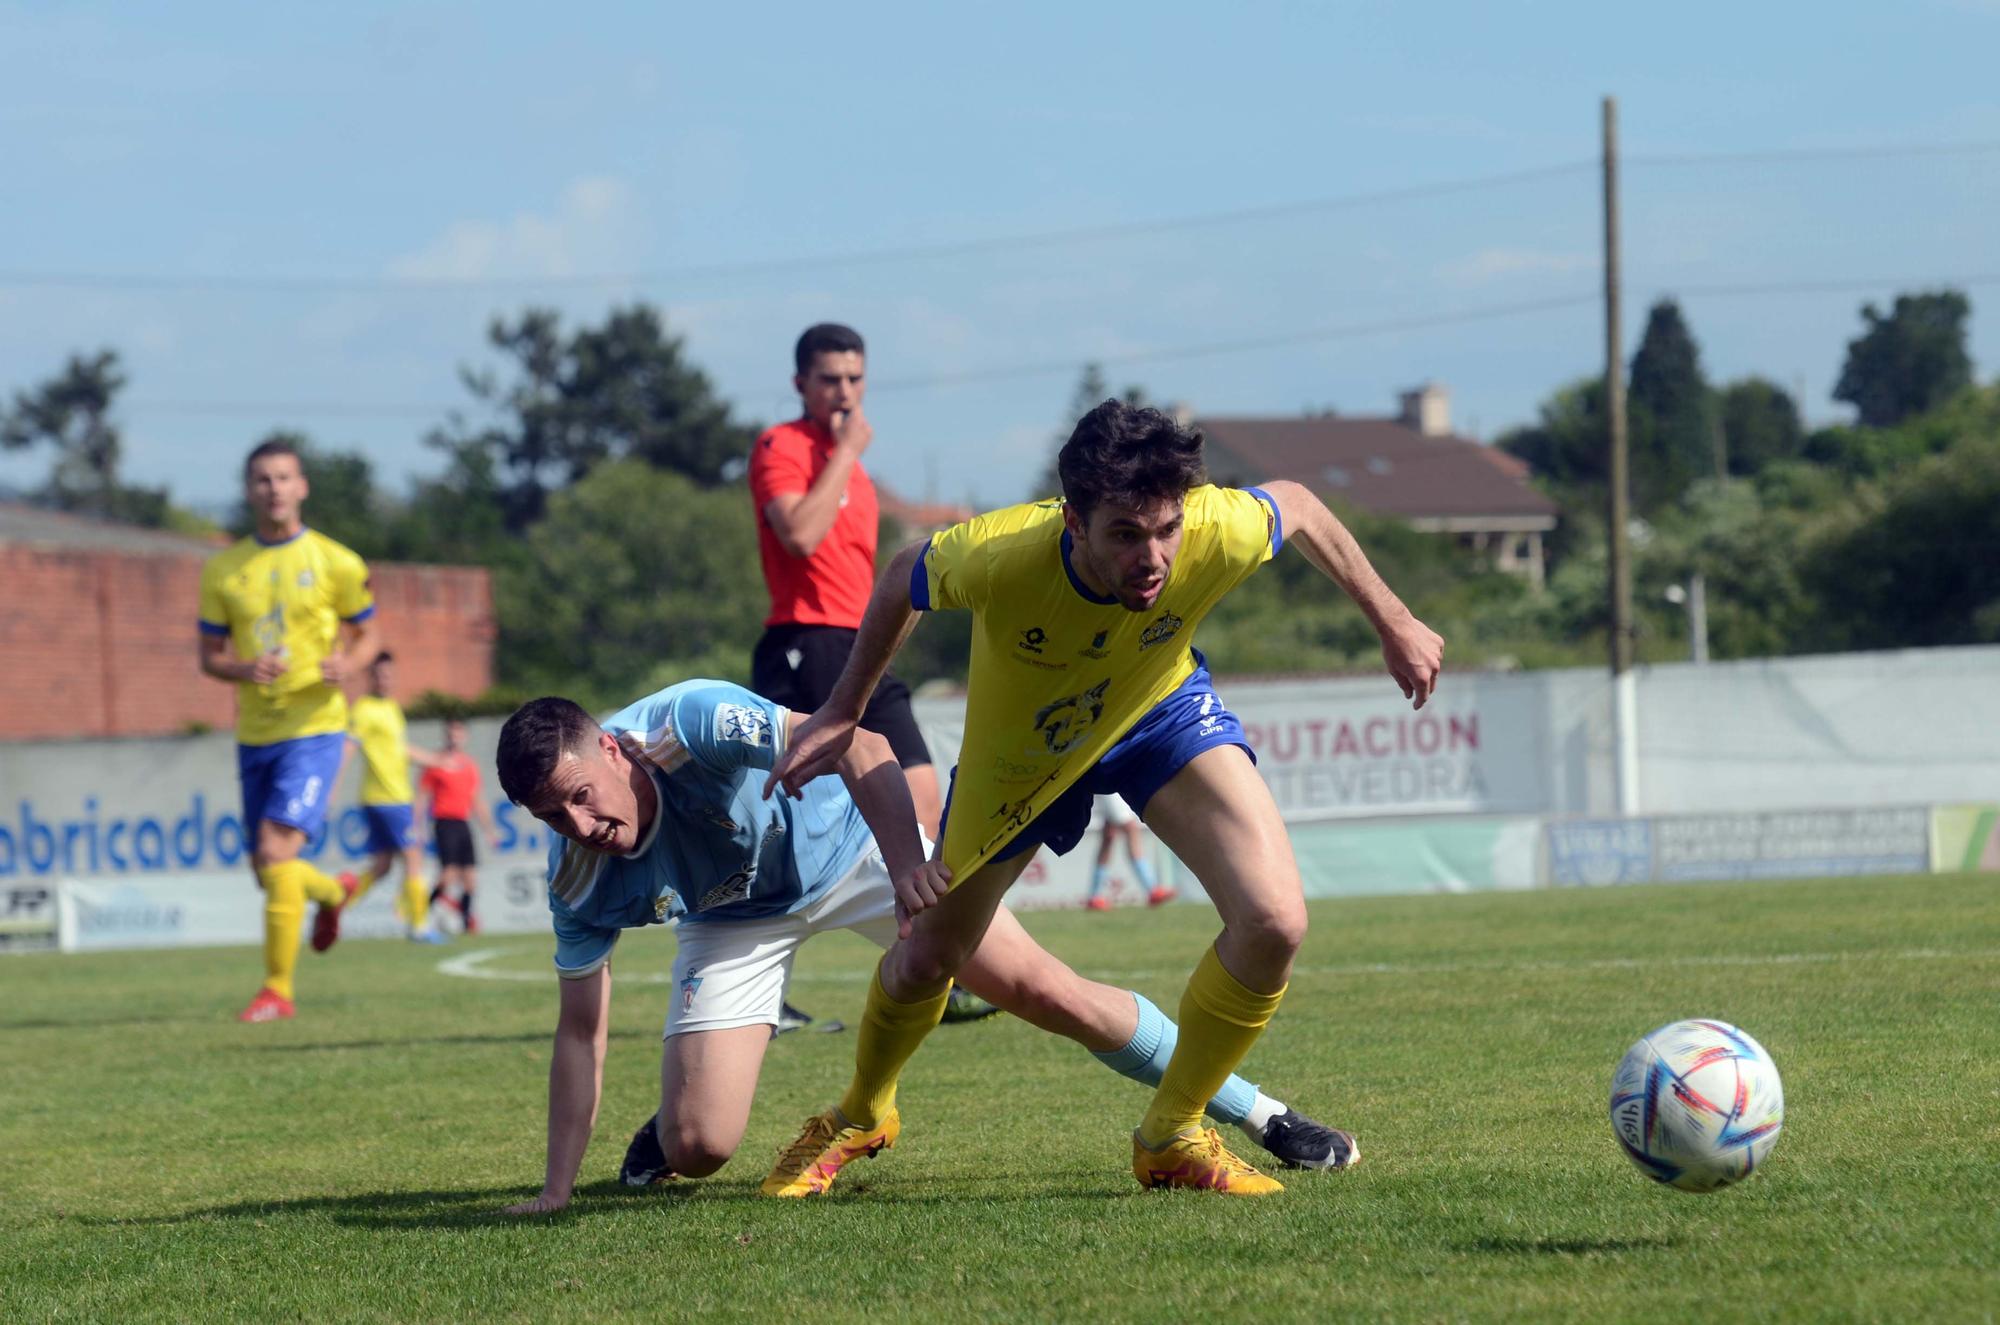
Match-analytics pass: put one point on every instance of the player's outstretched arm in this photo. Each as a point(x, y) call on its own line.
point(881, 793)
point(576, 1079)
point(817, 746)
point(1413, 651)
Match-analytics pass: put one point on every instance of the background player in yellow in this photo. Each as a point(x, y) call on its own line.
point(1084, 681)
point(376, 727)
point(286, 616)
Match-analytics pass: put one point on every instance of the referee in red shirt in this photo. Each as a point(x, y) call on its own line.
point(816, 524)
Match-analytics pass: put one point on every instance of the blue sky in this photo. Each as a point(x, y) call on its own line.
point(474, 151)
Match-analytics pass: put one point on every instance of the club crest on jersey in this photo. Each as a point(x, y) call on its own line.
point(1160, 631)
point(742, 724)
point(305, 579)
point(1096, 648)
point(1064, 722)
point(689, 984)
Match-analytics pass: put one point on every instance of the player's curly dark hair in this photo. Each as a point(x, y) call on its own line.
point(1128, 455)
point(539, 734)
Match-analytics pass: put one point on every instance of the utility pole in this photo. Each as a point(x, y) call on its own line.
point(1625, 707)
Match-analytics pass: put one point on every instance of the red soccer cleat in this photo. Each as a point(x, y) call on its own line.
point(326, 921)
point(1097, 904)
point(269, 1005)
point(1161, 895)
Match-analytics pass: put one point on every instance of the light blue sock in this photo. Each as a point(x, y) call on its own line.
point(1144, 869)
point(1098, 874)
point(1144, 1059)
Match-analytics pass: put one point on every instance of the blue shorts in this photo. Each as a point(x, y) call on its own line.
point(288, 782)
point(389, 827)
point(1184, 724)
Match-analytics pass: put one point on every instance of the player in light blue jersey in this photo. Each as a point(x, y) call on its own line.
point(659, 814)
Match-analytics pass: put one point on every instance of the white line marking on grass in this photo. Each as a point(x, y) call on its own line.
point(472, 966)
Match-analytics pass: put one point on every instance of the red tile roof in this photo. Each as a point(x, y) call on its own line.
point(1379, 464)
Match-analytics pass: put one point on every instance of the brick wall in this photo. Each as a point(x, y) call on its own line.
point(102, 643)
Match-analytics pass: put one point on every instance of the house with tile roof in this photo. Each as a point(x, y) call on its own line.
point(1410, 465)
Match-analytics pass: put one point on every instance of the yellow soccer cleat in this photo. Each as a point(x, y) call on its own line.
point(809, 1165)
point(1198, 1159)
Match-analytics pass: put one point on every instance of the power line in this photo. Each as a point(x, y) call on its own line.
point(300, 284)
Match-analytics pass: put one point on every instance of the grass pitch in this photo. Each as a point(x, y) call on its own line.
point(159, 1161)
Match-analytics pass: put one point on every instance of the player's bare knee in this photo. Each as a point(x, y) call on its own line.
point(691, 1152)
point(1275, 932)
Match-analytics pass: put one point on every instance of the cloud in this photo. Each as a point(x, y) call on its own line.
point(591, 229)
point(1493, 264)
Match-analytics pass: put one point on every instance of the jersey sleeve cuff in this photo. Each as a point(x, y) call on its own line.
point(1277, 519)
point(360, 616)
point(210, 628)
point(920, 581)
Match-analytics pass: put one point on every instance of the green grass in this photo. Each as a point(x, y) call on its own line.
point(158, 1161)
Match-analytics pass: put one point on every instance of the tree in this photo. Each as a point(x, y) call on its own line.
point(1918, 561)
point(71, 412)
point(634, 577)
point(624, 389)
point(1567, 445)
point(1760, 425)
point(1909, 361)
point(1091, 391)
point(1672, 419)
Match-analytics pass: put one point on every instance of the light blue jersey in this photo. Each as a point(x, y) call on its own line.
point(717, 850)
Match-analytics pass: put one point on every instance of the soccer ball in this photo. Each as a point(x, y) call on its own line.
point(1697, 1105)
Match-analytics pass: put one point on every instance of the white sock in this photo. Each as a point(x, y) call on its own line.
point(1262, 1112)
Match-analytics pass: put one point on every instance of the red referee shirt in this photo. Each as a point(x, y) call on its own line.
point(831, 587)
point(452, 785)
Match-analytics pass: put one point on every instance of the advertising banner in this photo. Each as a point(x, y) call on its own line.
point(1427, 856)
point(1965, 839)
point(1355, 748)
point(1791, 844)
point(27, 915)
point(1593, 852)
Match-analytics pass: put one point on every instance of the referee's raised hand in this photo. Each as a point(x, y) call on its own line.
point(815, 749)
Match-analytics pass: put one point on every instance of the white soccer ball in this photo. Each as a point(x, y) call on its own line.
point(1697, 1105)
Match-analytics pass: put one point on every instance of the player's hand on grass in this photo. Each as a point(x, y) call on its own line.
point(816, 748)
point(919, 890)
point(851, 430)
point(266, 668)
point(1415, 654)
point(542, 1204)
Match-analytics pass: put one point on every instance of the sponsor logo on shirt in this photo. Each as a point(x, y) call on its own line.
point(742, 724)
point(1033, 638)
point(1160, 631)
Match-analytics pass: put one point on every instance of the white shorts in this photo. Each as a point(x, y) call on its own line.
point(1113, 810)
point(732, 973)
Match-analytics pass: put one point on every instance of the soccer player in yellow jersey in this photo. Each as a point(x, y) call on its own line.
point(1084, 681)
point(376, 728)
point(286, 616)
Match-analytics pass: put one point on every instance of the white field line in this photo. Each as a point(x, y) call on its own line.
point(472, 965)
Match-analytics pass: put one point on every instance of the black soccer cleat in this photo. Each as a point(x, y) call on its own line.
point(790, 1019)
point(1297, 1142)
point(964, 1005)
point(645, 1163)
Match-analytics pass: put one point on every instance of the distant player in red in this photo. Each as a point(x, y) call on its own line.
point(816, 528)
point(452, 784)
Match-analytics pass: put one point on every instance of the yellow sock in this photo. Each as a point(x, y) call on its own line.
point(1220, 1020)
point(416, 905)
point(284, 912)
point(316, 886)
point(890, 1034)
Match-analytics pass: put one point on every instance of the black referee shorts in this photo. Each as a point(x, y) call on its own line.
point(454, 842)
point(797, 665)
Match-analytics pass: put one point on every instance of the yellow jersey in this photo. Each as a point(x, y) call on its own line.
point(375, 722)
point(1058, 674)
point(289, 597)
